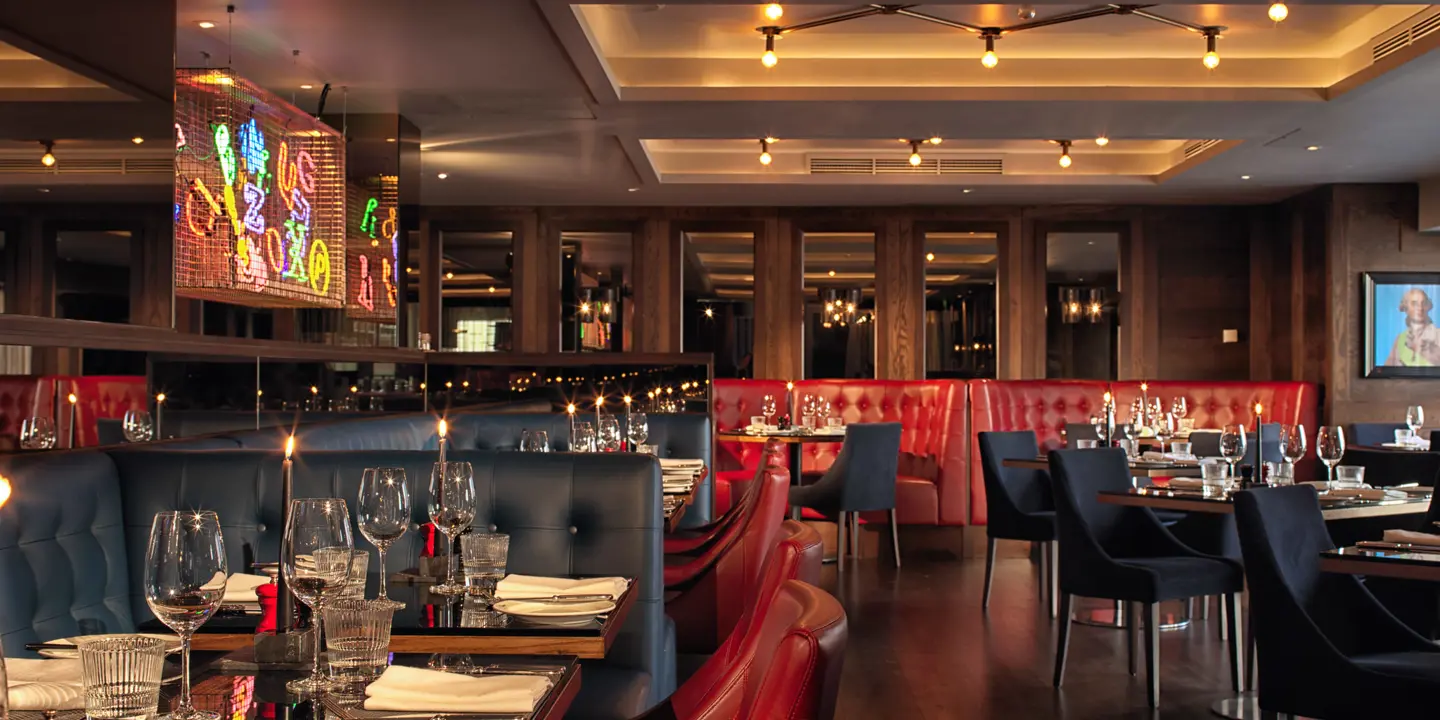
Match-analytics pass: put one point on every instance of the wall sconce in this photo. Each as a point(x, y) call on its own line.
point(1070, 308)
point(1095, 306)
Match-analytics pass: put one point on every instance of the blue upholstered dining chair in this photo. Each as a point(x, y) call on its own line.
point(1387, 468)
point(1122, 553)
point(1327, 648)
point(1018, 505)
point(1206, 443)
point(1372, 433)
point(862, 478)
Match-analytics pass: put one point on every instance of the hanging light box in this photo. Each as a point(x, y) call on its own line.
point(259, 197)
point(372, 249)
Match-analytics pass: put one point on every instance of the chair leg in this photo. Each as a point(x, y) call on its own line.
point(1132, 610)
point(1205, 608)
point(1152, 653)
point(895, 537)
point(840, 533)
point(1062, 642)
point(989, 572)
point(854, 536)
point(1053, 579)
point(1237, 643)
point(1224, 611)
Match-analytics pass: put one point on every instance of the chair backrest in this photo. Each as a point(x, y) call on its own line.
point(740, 570)
point(109, 431)
point(1206, 443)
point(1086, 431)
point(868, 463)
point(1009, 491)
point(1086, 527)
point(798, 653)
point(1372, 433)
point(1395, 467)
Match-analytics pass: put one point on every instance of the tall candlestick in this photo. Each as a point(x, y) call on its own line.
point(441, 432)
point(790, 400)
point(1109, 419)
point(1145, 404)
point(71, 432)
point(159, 415)
point(570, 409)
point(1260, 442)
point(599, 402)
point(625, 431)
point(285, 605)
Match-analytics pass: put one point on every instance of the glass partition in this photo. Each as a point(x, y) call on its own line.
point(960, 270)
point(719, 285)
point(595, 285)
point(477, 275)
point(839, 304)
point(1081, 289)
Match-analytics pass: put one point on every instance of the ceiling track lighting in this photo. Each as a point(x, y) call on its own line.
point(1065, 160)
point(989, 59)
point(915, 158)
point(1278, 12)
point(48, 159)
point(774, 11)
point(765, 157)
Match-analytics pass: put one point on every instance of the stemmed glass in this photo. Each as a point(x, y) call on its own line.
point(1232, 445)
point(1137, 413)
point(535, 441)
point(1292, 443)
point(137, 426)
point(37, 433)
point(185, 572)
point(767, 408)
point(584, 440)
point(452, 509)
point(383, 514)
point(1165, 429)
point(1415, 419)
point(1179, 407)
point(316, 556)
point(609, 434)
point(1156, 409)
point(1330, 448)
point(638, 429)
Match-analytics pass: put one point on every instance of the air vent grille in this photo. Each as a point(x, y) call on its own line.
point(902, 166)
point(1400, 40)
point(1199, 146)
point(72, 165)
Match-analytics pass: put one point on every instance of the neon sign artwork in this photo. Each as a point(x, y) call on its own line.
point(259, 197)
point(372, 249)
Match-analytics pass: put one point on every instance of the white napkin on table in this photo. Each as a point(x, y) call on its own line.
point(1364, 494)
point(240, 588)
point(520, 587)
point(45, 684)
point(407, 688)
point(1412, 537)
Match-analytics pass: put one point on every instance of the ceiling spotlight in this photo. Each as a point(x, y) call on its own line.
point(48, 159)
point(1244, 177)
point(1102, 141)
point(765, 158)
point(769, 59)
point(1313, 148)
point(449, 276)
point(205, 24)
point(307, 87)
point(966, 190)
point(442, 176)
point(832, 273)
point(1064, 153)
point(936, 140)
point(1212, 58)
point(1278, 12)
point(389, 139)
point(634, 189)
point(989, 59)
point(137, 140)
point(915, 158)
point(774, 11)
point(709, 311)
point(929, 257)
point(771, 139)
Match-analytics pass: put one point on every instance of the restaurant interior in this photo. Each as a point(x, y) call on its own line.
point(493, 359)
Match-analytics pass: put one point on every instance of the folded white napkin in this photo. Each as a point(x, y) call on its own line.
point(1187, 483)
point(45, 684)
point(679, 463)
point(414, 689)
point(1364, 494)
point(1412, 537)
point(240, 588)
point(519, 587)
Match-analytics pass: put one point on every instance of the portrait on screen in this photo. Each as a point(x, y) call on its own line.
point(1401, 335)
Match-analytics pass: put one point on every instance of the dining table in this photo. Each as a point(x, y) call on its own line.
point(794, 438)
point(1388, 560)
point(1138, 468)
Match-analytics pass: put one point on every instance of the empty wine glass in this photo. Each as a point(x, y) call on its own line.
point(315, 556)
point(1097, 421)
point(1292, 443)
point(1137, 412)
point(534, 441)
point(1232, 445)
point(138, 426)
point(1180, 407)
point(638, 428)
point(609, 434)
point(1156, 409)
point(185, 573)
point(1415, 419)
point(1166, 428)
point(452, 509)
point(383, 513)
point(767, 408)
point(1330, 448)
point(37, 433)
point(584, 440)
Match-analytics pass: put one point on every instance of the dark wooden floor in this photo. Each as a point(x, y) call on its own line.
point(921, 648)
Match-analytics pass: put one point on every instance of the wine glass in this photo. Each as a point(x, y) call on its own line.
point(1415, 419)
point(452, 509)
point(609, 434)
point(639, 429)
point(1097, 421)
point(383, 513)
point(584, 440)
point(1166, 429)
point(535, 441)
point(315, 557)
point(1137, 412)
point(1292, 443)
point(767, 408)
point(37, 433)
point(1232, 445)
point(1156, 409)
point(138, 426)
point(1330, 448)
point(185, 572)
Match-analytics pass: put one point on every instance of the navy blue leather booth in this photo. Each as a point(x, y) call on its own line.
point(72, 539)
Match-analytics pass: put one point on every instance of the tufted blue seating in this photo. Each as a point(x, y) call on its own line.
point(76, 517)
point(409, 431)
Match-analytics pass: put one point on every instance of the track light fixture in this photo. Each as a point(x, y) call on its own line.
point(915, 158)
point(48, 159)
point(1102, 141)
point(1064, 153)
point(1212, 58)
point(1278, 12)
point(989, 59)
point(936, 140)
point(774, 11)
point(765, 158)
point(769, 59)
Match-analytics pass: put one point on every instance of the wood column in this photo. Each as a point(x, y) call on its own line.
point(535, 301)
point(152, 275)
point(657, 263)
point(1020, 302)
point(779, 302)
point(1139, 332)
point(34, 292)
point(430, 283)
point(899, 301)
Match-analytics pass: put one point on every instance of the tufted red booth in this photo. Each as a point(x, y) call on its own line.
point(99, 396)
point(734, 402)
point(1045, 406)
point(23, 396)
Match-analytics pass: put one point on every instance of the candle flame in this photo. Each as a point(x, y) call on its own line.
point(1258, 408)
point(160, 398)
point(789, 386)
point(1144, 387)
point(1107, 397)
point(314, 390)
point(4, 489)
point(570, 408)
point(289, 446)
point(71, 398)
point(443, 427)
point(627, 399)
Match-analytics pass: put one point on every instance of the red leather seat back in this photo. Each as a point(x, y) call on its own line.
point(21, 397)
point(97, 396)
point(733, 403)
point(798, 653)
point(740, 571)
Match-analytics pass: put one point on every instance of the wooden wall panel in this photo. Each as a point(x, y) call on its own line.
point(1020, 306)
point(657, 263)
point(1139, 321)
point(900, 301)
point(430, 252)
point(152, 274)
point(1203, 288)
point(779, 302)
point(535, 299)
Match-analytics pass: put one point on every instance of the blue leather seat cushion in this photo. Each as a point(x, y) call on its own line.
point(608, 692)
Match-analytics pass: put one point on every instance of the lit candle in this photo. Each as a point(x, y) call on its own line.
point(790, 399)
point(159, 414)
point(1260, 442)
point(570, 409)
point(441, 433)
point(4, 490)
point(285, 605)
point(71, 432)
point(625, 431)
point(1145, 404)
point(599, 402)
